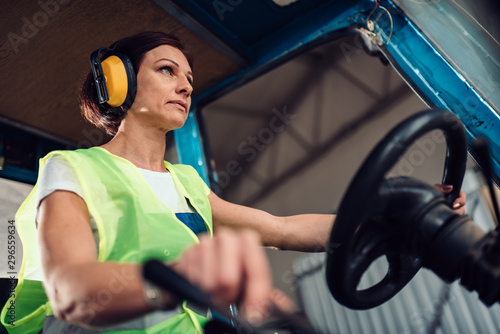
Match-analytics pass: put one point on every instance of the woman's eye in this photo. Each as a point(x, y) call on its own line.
point(166, 69)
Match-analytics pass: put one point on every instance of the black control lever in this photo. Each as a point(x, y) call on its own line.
point(482, 154)
point(480, 270)
point(166, 278)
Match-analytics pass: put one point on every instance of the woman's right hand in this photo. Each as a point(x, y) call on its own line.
point(233, 268)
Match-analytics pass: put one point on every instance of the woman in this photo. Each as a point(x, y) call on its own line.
point(105, 210)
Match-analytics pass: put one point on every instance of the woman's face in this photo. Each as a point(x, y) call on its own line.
point(164, 87)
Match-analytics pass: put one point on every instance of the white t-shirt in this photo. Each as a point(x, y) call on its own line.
point(57, 174)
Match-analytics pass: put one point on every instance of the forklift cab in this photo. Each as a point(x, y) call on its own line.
point(248, 135)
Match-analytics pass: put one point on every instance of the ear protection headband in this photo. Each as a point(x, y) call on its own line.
point(114, 78)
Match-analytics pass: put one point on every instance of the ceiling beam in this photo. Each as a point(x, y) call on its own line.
point(357, 82)
point(381, 107)
point(302, 89)
point(319, 63)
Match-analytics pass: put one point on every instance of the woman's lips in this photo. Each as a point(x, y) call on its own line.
point(181, 104)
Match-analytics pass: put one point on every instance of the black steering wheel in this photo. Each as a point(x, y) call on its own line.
point(361, 232)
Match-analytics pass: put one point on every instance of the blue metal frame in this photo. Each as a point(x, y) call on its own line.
point(423, 64)
point(190, 147)
point(243, 25)
point(438, 79)
point(313, 27)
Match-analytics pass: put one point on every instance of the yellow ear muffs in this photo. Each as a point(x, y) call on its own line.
point(114, 78)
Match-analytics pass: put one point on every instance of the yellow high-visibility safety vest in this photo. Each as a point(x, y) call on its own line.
point(134, 226)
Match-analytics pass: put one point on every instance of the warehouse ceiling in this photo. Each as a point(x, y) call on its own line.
point(264, 134)
point(45, 49)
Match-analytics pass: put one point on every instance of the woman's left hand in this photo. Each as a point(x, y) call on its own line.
point(459, 203)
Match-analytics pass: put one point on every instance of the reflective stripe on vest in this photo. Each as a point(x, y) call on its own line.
point(134, 226)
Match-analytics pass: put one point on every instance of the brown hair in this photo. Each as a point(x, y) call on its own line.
point(135, 47)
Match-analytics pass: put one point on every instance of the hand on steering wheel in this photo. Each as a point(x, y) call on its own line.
point(459, 204)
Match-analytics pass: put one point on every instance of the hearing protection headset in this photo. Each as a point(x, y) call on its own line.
point(114, 77)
